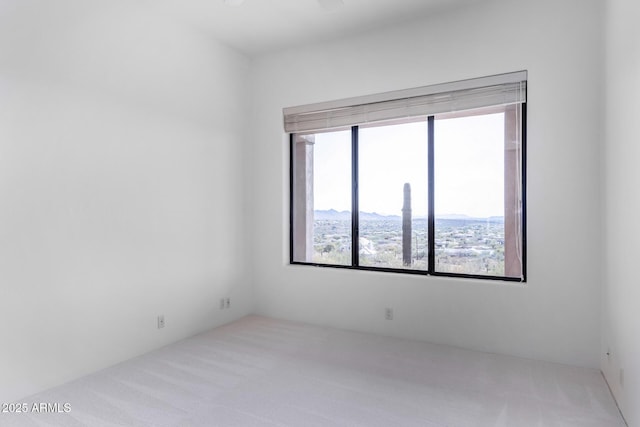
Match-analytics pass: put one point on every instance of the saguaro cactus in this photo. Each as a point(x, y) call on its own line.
point(406, 225)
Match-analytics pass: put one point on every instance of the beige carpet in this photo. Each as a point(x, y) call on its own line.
point(265, 372)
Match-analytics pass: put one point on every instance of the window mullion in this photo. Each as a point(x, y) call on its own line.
point(355, 210)
point(431, 221)
point(291, 197)
point(523, 180)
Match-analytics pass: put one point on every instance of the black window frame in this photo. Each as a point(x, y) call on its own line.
point(355, 231)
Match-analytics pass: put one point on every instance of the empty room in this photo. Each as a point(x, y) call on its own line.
point(319, 212)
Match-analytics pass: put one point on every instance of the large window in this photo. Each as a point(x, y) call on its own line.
point(426, 181)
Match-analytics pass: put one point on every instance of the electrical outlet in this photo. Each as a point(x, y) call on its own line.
point(161, 321)
point(222, 304)
point(228, 303)
point(388, 313)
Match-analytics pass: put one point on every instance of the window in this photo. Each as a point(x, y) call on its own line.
point(425, 181)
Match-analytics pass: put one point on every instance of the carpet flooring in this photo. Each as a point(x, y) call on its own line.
point(265, 372)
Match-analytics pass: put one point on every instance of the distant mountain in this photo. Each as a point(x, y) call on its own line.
point(335, 215)
point(462, 217)
point(366, 216)
point(495, 219)
point(332, 214)
point(453, 216)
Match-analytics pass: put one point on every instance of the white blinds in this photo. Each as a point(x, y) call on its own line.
point(502, 89)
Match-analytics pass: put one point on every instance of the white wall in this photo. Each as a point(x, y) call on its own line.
point(120, 187)
point(621, 315)
point(556, 315)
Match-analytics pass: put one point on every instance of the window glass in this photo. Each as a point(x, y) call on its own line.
point(469, 189)
point(322, 198)
point(393, 195)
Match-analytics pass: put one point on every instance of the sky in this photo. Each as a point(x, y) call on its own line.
point(469, 168)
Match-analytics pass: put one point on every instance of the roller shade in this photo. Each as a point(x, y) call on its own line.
point(502, 89)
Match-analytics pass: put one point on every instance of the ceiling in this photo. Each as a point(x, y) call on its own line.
point(260, 26)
